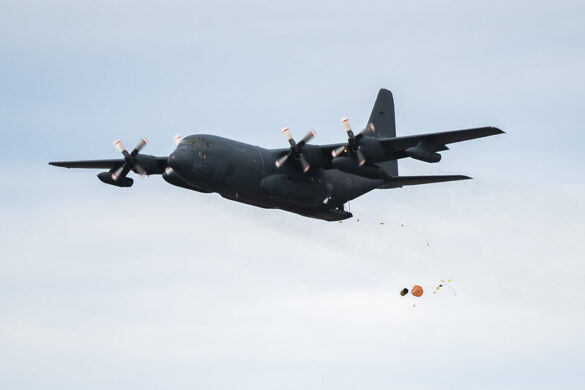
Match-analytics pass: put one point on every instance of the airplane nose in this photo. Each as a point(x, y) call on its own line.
point(181, 160)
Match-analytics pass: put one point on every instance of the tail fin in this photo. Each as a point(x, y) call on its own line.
point(382, 118)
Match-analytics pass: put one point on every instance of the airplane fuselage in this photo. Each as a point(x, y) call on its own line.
point(248, 174)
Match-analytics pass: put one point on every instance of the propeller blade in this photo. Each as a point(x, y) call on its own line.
point(361, 157)
point(288, 135)
point(118, 172)
point(345, 122)
point(281, 160)
point(369, 129)
point(304, 163)
point(140, 170)
point(308, 137)
point(118, 145)
point(177, 139)
point(140, 145)
point(337, 151)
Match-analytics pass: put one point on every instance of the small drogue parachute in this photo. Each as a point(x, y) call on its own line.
point(417, 290)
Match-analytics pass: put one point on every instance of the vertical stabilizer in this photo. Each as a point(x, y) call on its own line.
point(385, 124)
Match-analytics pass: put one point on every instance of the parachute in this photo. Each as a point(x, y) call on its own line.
point(417, 290)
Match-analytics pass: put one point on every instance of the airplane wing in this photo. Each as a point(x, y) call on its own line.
point(440, 140)
point(320, 155)
point(101, 164)
point(151, 164)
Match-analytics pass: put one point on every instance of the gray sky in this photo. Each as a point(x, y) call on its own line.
point(158, 287)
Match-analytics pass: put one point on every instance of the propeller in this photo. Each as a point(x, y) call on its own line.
point(130, 159)
point(295, 150)
point(353, 142)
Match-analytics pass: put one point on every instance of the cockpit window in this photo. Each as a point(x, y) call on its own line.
point(194, 141)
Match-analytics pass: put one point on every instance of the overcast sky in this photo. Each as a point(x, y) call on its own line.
point(157, 287)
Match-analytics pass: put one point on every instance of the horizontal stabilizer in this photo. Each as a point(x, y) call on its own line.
point(401, 181)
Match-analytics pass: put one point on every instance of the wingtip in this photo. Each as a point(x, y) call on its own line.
point(497, 130)
point(459, 177)
point(58, 164)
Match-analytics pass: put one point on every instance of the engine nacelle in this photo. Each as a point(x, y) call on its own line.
point(106, 177)
point(349, 165)
point(423, 151)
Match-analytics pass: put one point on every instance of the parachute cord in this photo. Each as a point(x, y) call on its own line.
point(451, 288)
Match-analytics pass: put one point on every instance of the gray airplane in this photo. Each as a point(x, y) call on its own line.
point(311, 180)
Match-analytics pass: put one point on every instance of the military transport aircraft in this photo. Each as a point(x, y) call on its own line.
point(313, 181)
